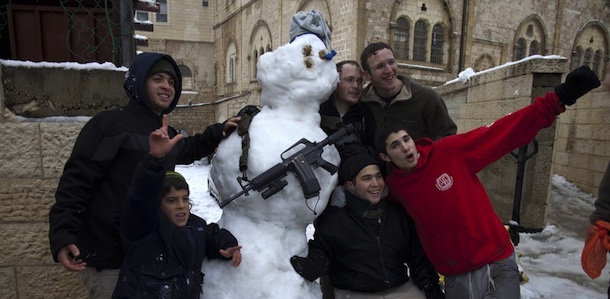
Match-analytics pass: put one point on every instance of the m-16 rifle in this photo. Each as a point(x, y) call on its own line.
point(270, 182)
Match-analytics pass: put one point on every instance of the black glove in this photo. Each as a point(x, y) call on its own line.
point(307, 268)
point(578, 83)
point(433, 291)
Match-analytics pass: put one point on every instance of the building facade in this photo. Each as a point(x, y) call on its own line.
point(219, 42)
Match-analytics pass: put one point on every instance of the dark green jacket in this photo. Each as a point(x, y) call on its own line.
point(419, 108)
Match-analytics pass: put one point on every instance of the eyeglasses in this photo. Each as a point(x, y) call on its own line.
point(351, 80)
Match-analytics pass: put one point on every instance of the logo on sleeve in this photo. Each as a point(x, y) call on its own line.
point(444, 182)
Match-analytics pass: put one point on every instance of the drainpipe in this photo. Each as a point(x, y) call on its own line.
point(463, 36)
point(127, 31)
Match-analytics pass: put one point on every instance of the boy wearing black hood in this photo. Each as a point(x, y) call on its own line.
point(84, 220)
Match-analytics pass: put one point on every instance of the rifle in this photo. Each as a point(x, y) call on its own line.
point(299, 163)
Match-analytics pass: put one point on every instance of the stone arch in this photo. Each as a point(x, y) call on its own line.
point(483, 62)
point(188, 81)
point(591, 38)
point(414, 13)
point(531, 32)
point(260, 40)
point(231, 61)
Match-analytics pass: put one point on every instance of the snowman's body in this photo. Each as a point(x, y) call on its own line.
point(294, 79)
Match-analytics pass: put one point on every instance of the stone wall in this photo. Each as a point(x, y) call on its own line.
point(32, 156)
point(34, 151)
point(576, 146)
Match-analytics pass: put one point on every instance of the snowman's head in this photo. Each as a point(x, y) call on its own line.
point(298, 74)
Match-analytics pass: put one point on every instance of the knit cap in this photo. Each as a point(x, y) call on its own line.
point(353, 160)
point(164, 66)
point(310, 22)
point(172, 175)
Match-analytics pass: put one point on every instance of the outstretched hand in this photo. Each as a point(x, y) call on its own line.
point(159, 141)
point(234, 253)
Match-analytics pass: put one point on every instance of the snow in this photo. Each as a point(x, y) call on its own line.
point(466, 74)
point(64, 65)
point(551, 258)
point(295, 80)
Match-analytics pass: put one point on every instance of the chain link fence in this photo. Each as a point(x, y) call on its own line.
point(69, 30)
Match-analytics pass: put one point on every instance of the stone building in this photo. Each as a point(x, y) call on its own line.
point(433, 42)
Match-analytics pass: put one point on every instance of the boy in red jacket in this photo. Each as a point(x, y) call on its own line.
point(437, 184)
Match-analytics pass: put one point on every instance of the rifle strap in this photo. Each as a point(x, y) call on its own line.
point(242, 131)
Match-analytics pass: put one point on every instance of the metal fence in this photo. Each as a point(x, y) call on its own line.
point(68, 30)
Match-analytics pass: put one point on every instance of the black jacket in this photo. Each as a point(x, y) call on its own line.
point(162, 260)
point(359, 115)
point(97, 175)
point(369, 254)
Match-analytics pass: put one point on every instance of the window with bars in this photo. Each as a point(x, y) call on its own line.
point(597, 60)
point(162, 14)
point(142, 16)
point(534, 48)
point(576, 57)
point(401, 39)
point(438, 41)
point(232, 69)
point(588, 55)
point(420, 40)
point(520, 48)
point(231, 63)
point(187, 77)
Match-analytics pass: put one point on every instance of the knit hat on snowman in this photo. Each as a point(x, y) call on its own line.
point(311, 22)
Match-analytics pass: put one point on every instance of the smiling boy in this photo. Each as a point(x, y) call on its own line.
point(437, 184)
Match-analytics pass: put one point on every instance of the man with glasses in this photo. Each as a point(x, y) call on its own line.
point(344, 107)
point(396, 99)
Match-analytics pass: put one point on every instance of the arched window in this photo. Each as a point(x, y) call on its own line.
point(401, 39)
point(187, 77)
point(260, 43)
point(597, 60)
point(232, 69)
point(420, 40)
point(231, 63)
point(438, 41)
point(534, 48)
point(520, 49)
point(588, 55)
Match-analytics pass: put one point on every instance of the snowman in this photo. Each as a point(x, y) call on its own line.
point(295, 79)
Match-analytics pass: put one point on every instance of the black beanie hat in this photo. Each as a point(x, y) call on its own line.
point(164, 66)
point(353, 160)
